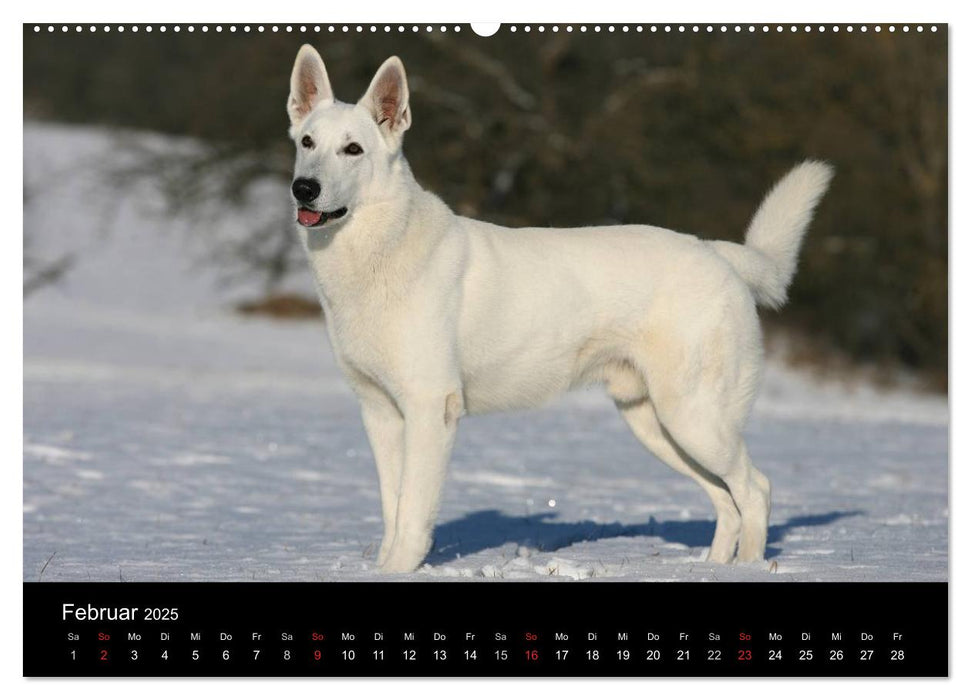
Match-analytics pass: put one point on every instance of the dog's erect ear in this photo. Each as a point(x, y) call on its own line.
point(387, 97)
point(309, 85)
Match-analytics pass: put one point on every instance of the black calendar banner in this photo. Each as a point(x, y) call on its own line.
point(486, 629)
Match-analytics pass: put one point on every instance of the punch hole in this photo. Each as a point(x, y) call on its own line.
point(485, 29)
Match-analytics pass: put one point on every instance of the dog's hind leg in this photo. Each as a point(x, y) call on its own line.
point(697, 424)
point(753, 489)
point(702, 378)
point(642, 419)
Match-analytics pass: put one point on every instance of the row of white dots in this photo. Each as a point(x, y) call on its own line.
point(737, 28)
point(244, 28)
point(765, 28)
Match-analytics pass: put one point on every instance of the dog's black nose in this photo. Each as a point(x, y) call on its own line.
point(305, 189)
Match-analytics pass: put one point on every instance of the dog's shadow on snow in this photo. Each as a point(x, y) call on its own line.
point(486, 529)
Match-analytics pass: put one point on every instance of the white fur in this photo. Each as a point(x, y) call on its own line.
point(433, 315)
point(767, 261)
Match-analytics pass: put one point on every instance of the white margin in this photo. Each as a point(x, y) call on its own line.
point(601, 11)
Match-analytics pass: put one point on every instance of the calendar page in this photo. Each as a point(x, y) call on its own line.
point(395, 349)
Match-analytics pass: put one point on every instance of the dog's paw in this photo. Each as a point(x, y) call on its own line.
point(401, 561)
point(394, 565)
point(384, 551)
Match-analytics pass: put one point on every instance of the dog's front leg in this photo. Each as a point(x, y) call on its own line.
point(386, 432)
point(430, 424)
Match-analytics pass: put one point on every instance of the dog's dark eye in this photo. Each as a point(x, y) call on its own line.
point(353, 149)
point(307, 142)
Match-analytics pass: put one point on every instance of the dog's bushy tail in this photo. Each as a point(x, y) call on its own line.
point(767, 261)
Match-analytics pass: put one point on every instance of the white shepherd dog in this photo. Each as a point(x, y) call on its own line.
point(433, 316)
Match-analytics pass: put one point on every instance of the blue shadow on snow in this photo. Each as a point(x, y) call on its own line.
point(486, 529)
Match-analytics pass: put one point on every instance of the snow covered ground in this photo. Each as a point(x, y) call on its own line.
point(166, 438)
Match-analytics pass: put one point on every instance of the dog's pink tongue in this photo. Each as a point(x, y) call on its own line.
point(306, 217)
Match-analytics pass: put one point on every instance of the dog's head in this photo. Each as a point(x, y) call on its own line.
point(346, 154)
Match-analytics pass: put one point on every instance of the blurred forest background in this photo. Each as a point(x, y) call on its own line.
point(686, 131)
